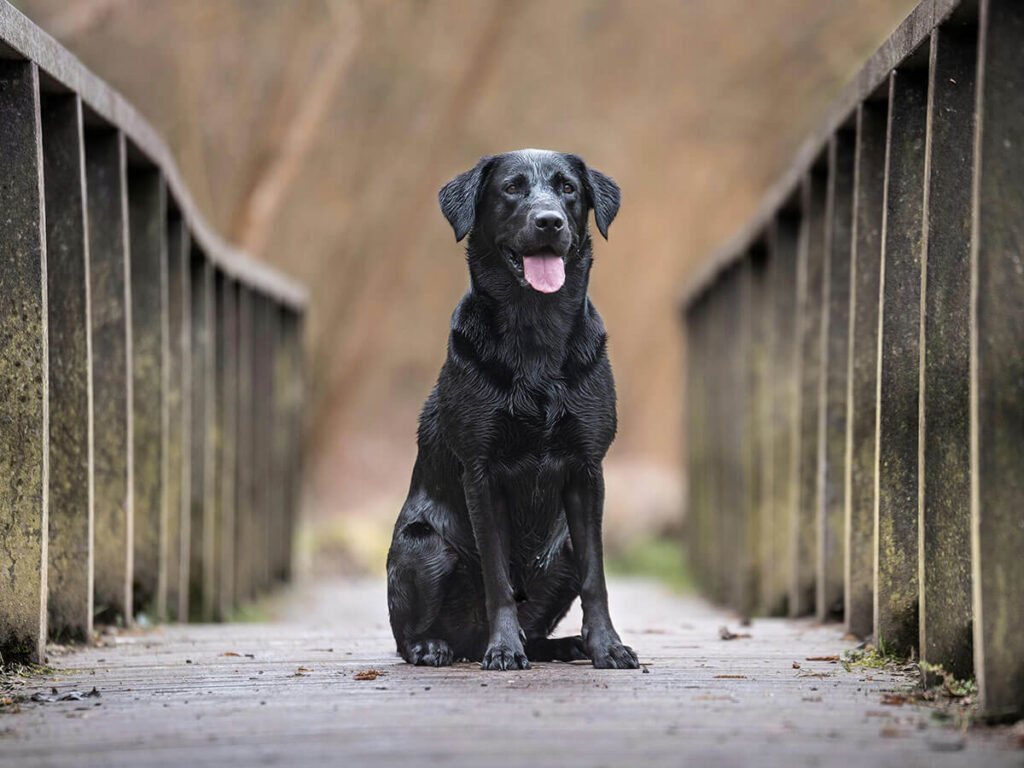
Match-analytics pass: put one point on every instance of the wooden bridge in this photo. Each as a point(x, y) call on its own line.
point(856, 364)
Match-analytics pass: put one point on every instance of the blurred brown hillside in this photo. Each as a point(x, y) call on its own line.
point(316, 133)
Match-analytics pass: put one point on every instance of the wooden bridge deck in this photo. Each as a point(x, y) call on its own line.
point(289, 692)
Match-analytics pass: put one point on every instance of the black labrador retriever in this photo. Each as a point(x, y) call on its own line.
point(502, 526)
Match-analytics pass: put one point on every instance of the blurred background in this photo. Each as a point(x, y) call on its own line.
point(316, 133)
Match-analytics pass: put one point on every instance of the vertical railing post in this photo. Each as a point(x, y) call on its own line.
point(944, 530)
point(862, 377)
point(997, 361)
point(810, 291)
point(227, 422)
point(896, 582)
point(198, 343)
point(24, 374)
point(147, 217)
point(70, 579)
point(107, 207)
point(783, 245)
point(245, 515)
point(178, 417)
point(836, 319)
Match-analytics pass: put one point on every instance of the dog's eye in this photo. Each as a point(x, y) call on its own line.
point(511, 189)
point(568, 188)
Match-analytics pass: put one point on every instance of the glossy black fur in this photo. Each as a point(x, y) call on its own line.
point(502, 526)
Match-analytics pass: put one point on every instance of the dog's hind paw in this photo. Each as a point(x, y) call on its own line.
point(505, 657)
point(616, 656)
point(430, 653)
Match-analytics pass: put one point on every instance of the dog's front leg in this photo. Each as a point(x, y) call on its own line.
point(584, 509)
point(490, 529)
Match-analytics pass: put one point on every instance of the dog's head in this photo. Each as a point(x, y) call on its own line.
point(529, 208)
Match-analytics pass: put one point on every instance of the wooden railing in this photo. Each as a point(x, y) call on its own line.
point(856, 363)
point(150, 375)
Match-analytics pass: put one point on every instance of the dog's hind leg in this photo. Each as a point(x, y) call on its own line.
point(418, 566)
point(556, 649)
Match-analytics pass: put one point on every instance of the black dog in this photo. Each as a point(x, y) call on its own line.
point(502, 527)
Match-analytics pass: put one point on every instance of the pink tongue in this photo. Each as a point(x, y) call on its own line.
point(545, 273)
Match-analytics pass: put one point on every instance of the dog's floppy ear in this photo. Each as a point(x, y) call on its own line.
point(603, 194)
point(458, 198)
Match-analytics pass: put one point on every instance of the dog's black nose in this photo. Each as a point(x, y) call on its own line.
point(549, 220)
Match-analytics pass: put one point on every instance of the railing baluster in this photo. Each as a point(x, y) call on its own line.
point(862, 382)
point(147, 216)
point(245, 516)
point(997, 361)
point(810, 291)
point(896, 583)
point(178, 417)
point(107, 208)
point(836, 319)
point(944, 511)
point(200, 518)
point(227, 427)
point(24, 374)
point(784, 245)
point(760, 332)
point(70, 577)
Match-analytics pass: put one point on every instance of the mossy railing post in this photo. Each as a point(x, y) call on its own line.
point(132, 385)
point(24, 375)
point(902, 331)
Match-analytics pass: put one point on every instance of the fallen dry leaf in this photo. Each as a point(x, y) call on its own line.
point(796, 665)
point(231, 653)
point(822, 658)
point(726, 634)
point(367, 674)
point(894, 699)
point(731, 677)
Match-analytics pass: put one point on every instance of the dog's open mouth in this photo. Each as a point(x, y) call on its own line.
point(545, 272)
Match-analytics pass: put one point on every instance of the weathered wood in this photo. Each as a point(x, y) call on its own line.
point(896, 581)
point(147, 222)
point(200, 599)
point(784, 244)
point(227, 433)
point(24, 368)
point(997, 361)
point(21, 39)
point(262, 401)
point(836, 318)
point(70, 545)
point(862, 377)
point(107, 206)
point(298, 700)
point(761, 334)
point(244, 477)
point(179, 427)
point(810, 291)
point(944, 533)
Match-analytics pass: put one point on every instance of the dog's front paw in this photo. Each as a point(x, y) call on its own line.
point(430, 653)
point(614, 655)
point(505, 656)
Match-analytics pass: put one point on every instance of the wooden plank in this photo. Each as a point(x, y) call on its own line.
point(784, 245)
point(997, 362)
point(200, 592)
point(106, 193)
point(179, 428)
point(24, 368)
point(761, 333)
point(244, 477)
point(944, 520)
point(831, 566)
point(227, 428)
point(70, 577)
point(862, 377)
point(896, 578)
point(810, 291)
point(147, 222)
point(703, 702)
